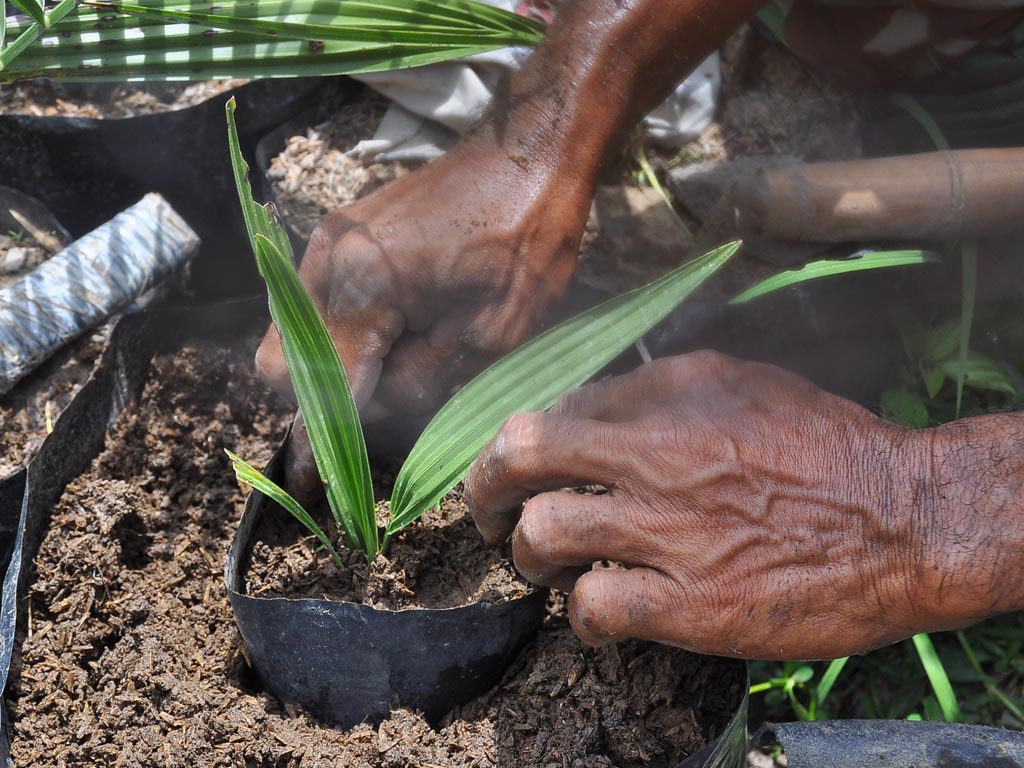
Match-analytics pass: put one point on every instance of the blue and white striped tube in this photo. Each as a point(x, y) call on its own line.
point(93, 278)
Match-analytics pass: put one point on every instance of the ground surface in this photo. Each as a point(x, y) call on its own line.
point(132, 657)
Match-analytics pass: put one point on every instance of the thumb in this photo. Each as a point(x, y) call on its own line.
point(301, 476)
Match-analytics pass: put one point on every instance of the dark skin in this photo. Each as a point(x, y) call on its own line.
point(759, 516)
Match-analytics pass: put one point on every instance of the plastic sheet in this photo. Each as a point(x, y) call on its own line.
point(894, 744)
point(91, 280)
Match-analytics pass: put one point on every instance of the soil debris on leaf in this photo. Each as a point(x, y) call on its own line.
point(132, 657)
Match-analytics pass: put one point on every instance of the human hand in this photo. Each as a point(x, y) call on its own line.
point(758, 515)
point(425, 282)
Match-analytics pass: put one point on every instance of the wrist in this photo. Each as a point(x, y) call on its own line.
point(969, 507)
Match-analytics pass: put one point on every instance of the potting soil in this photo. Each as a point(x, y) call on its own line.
point(314, 175)
point(131, 657)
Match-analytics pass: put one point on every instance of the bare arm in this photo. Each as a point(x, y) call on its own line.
point(429, 279)
point(970, 501)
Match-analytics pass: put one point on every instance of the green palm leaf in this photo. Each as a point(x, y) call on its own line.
point(829, 267)
point(162, 40)
point(317, 374)
point(532, 378)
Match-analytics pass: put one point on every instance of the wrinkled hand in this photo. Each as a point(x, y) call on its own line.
point(432, 277)
point(759, 515)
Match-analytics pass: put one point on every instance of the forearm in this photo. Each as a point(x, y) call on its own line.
point(972, 560)
point(603, 65)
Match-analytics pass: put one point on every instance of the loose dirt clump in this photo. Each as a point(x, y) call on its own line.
point(132, 657)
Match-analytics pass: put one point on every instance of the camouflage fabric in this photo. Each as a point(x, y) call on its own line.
point(958, 45)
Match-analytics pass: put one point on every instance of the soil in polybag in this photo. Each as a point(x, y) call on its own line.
point(131, 654)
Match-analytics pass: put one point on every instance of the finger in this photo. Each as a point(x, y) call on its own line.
point(536, 452)
point(612, 400)
point(567, 530)
point(609, 605)
point(301, 476)
point(271, 367)
point(620, 398)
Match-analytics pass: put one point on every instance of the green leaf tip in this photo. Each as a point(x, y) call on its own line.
point(830, 267)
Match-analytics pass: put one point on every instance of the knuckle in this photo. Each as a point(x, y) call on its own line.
point(519, 439)
point(270, 364)
point(708, 364)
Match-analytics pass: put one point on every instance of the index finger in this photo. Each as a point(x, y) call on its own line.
point(533, 453)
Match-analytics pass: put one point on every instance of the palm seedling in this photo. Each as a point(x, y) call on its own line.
point(531, 378)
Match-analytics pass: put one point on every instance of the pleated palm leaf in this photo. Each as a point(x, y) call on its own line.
point(160, 40)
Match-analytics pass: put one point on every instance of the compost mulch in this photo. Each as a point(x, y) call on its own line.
point(131, 656)
point(314, 174)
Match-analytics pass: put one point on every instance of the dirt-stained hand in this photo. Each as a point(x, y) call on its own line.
point(429, 279)
point(758, 515)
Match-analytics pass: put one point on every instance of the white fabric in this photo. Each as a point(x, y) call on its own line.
point(435, 104)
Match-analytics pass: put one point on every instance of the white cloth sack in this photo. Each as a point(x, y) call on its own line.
point(434, 105)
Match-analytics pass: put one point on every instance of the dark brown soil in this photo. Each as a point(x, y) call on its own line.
point(132, 658)
point(440, 562)
point(28, 411)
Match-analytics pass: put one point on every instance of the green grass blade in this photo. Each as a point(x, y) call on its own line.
point(968, 250)
point(533, 377)
point(828, 679)
point(251, 476)
point(318, 377)
point(829, 267)
point(938, 678)
point(968, 290)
